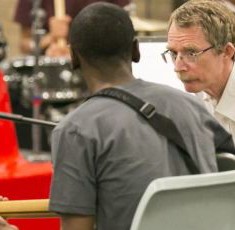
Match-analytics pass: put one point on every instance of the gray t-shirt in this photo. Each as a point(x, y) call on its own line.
point(105, 154)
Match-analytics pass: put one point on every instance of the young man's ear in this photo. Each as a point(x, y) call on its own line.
point(135, 51)
point(74, 59)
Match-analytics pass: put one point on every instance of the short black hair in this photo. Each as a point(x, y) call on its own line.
point(102, 31)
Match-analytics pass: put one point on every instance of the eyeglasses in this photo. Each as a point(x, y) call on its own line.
point(188, 56)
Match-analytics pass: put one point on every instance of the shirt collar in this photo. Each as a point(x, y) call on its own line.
point(226, 104)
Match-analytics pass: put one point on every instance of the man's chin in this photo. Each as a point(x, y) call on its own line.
point(191, 87)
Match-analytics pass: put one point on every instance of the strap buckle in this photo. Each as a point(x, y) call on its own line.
point(148, 110)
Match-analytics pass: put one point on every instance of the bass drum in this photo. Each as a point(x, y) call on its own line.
point(59, 88)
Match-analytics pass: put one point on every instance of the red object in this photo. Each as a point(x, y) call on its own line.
point(19, 178)
point(9, 146)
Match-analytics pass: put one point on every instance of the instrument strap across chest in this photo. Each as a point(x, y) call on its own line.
point(160, 123)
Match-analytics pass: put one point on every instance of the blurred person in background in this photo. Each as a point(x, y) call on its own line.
point(56, 27)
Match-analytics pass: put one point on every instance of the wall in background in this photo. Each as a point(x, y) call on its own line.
point(10, 29)
point(156, 9)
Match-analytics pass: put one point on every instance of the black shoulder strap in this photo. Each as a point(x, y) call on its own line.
point(160, 123)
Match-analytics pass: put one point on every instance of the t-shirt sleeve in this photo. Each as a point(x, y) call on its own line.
point(73, 188)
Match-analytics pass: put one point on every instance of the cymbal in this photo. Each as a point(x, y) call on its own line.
point(148, 25)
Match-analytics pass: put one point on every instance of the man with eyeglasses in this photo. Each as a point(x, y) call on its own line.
point(201, 38)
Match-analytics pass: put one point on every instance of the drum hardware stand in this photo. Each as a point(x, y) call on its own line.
point(27, 120)
point(3, 44)
point(36, 122)
point(38, 15)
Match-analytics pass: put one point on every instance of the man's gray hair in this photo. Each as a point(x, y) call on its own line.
point(216, 20)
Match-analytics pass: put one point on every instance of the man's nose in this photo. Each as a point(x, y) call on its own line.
point(179, 64)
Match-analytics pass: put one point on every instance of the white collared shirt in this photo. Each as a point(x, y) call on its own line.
point(224, 109)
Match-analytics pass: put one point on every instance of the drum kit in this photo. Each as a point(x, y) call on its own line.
point(61, 90)
point(58, 88)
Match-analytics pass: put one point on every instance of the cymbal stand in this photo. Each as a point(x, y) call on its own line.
point(38, 15)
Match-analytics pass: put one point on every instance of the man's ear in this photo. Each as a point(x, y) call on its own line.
point(135, 51)
point(229, 50)
point(75, 60)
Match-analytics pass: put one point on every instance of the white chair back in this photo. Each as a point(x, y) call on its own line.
point(195, 202)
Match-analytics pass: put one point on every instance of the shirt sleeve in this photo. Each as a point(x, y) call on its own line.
point(73, 189)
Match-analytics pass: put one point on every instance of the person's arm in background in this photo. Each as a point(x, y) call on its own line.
point(58, 30)
point(57, 27)
point(27, 44)
point(24, 19)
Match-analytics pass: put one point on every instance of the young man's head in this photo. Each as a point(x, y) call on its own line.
point(101, 33)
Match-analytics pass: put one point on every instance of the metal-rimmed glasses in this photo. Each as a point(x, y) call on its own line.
point(188, 56)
